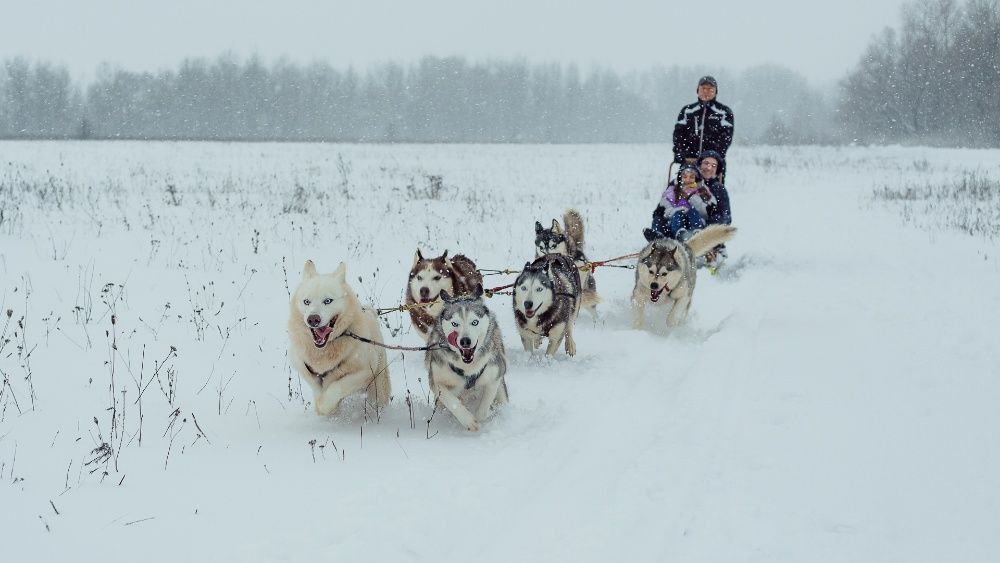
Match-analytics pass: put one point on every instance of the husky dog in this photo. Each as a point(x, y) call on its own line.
point(324, 311)
point(546, 302)
point(568, 241)
point(471, 360)
point(666, 268)
point(428, 278)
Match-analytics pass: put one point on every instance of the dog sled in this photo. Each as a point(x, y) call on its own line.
point(714, 259)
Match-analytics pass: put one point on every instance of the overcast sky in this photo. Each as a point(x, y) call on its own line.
point(821, 40)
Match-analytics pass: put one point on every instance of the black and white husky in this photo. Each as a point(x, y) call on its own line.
point(568, 241)
point(471, 361)
point(547, 299)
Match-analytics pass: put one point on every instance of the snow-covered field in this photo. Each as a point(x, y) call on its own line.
point(832, 397)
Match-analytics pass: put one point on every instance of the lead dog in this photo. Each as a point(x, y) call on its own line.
point(547, 303)
point(666, 270)
point(428, 278)
point(568, 241)
point(323, 312)
point(470, 360)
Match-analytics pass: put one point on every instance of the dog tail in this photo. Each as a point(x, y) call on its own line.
point(589, 298)
point(574, 231)
point(710, 237)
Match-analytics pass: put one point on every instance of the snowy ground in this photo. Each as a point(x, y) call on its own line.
point(832, 397)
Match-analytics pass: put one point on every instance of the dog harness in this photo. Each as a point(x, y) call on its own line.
point(318, 375)
point(470, 381)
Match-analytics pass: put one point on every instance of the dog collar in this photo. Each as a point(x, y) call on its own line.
point(536, 333)
point(470, 381)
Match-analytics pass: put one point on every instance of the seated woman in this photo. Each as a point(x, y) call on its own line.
point(683, 206)
point(713, 167)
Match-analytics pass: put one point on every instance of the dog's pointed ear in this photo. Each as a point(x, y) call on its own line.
point(309, 270)
point(545, 268)
point(478, 292)
point(555, 227)
point(538, 227)
point(445, 255)
point(417, 257)
point(340, 274)
point(650, 234)
point(445, 296)
point(526, 266)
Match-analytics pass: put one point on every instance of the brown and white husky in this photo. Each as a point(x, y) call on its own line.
point(428, 278)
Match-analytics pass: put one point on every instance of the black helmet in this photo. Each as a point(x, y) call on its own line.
point(692, 167)
point(718, 157)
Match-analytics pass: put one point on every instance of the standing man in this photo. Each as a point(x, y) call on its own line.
point(704, 125)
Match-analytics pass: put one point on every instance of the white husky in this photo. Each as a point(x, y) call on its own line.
point(324, 314)
point(470, 359)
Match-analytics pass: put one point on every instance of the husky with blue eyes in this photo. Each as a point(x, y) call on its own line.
point(547, 298)
point(466, 362)
point(325, 312)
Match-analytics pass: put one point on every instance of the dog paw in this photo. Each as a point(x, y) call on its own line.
point(472, 427)
point(326, 408)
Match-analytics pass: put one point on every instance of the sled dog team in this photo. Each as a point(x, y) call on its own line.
point(334, 339)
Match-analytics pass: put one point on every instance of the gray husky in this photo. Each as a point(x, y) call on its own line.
point(547, 299)
point(568, 241)
point(471, 360)
point(666, 269)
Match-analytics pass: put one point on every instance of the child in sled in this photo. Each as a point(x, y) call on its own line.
point(683, 207)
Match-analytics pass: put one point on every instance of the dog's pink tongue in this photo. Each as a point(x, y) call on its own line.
point(453, 339)
point(319, 334)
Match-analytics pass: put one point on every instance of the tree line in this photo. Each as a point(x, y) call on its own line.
point(936, 80)
point(435, 100)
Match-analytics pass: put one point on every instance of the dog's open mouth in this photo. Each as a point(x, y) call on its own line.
point(467, 354)
point(530, 312)
point(322, 334)
point(428, 299)
point(654, 294)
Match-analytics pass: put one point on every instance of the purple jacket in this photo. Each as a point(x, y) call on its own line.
point(672, 204)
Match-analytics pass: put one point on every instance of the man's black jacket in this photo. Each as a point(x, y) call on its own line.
point(701, 127)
